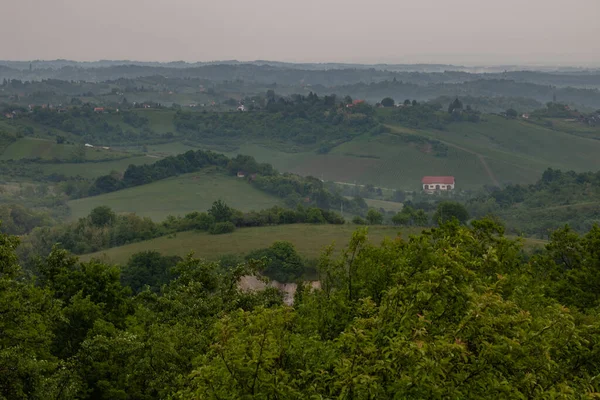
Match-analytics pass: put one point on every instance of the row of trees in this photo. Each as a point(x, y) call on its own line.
point(456, 312)
point(103, 228)
point(293, 188)
point(303, 122)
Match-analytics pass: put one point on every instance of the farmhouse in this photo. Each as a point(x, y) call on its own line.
point(433, 184)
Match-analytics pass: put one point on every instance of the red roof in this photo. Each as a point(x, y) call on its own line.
point(432, 180)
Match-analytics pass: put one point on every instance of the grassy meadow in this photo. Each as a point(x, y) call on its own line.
point(493, 151)
point(93, 170)
point(309, 240)
point(178, 196)
point(30, 148)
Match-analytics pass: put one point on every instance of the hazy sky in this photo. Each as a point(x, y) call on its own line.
point(370, 31)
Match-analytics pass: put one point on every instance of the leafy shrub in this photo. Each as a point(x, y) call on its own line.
point(359, 221)
point(222, 227)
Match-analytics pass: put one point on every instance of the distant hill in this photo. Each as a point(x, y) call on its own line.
point(178, 196)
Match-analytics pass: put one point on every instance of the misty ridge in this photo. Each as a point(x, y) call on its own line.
point(576, 86)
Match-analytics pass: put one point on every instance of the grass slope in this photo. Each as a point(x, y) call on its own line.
point(30, 148)
point(310, 240)
point(493, 151)
point(178, 196)
point(93, 170)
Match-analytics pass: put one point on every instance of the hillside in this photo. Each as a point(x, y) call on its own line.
point(179, 195)
point(495, 151)
point(309, 240)
point(38, 148)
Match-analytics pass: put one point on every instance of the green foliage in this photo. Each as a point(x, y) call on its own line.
point(102, 216)
point(387, 102)
point(281, 262)
point(18, 220)
point(148, 268)
point(455, 106)
point(220, 211)
point(315, 216)
point(220, 228)
point(299, 121)
point(556, 199)
point(374, 217)
point(512, 113)
point(359, 221)
point(573, 267)
point(448, 210)
point(456, 312)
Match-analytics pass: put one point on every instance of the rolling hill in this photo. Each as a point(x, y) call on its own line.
point(495, 151)
point(309, 240)
point(179, 195)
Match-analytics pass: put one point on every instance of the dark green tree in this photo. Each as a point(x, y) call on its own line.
point(374, 217)
point(388, 102)
point(448, 210)
point(220, 211)
point(102, 216)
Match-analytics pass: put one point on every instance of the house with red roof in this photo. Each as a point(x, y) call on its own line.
point(433, 184)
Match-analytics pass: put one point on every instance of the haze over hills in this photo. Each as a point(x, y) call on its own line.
point(316, 199)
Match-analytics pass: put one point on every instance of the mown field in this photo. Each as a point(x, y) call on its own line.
point(178, 196)
point(309, 240)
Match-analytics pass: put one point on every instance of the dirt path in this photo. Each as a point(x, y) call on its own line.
point(488, 169)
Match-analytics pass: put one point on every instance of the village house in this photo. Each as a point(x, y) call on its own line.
point(355, 103)
point(432, 184)
point(99, 109)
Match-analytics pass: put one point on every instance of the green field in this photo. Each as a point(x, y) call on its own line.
point(95, 169)
point(178, 196)
point(493, 151)
point(30, 148)
point(310, 240)
point(386, 205)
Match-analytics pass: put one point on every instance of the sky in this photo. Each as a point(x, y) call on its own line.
point(466, 32)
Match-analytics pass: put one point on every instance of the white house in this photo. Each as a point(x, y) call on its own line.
point(433, 184)
point(88, 145)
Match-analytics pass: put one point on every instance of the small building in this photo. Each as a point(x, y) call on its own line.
point(525, 116)
point(241, 174)
point(241, 108)
point(88, 145)
point(99, 109)
point(354, 103)
point(432, 184)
